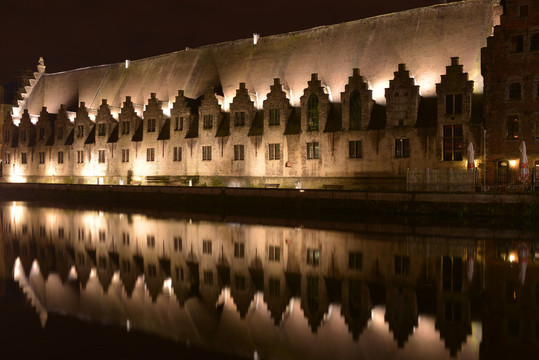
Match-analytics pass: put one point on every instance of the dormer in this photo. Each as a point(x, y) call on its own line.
point(277, 107)
point(105, 122)
point(45, 128)
point(209, 114)
point(357, 103)
point(153, 117)
point(181, 114)
point(242, 110)
point(83, 123)
point(128, 119)
point(402, 99)
point(454, 94)
point(27, 130)
point(314, 106)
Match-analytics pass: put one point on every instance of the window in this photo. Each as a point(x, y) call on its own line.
point(206, 153)
point(152, 270)
point(81, 234)
point(274, 287)
point(101, 129)
point(400, 104)
point(60, 157)
point(523, 11)
point(59, 133)
point(355, 110)
point(102, 236)
point(453, 104)
point(313, 113)
point(239, 282)
point(177, 156)
point(239, 250)
point(80, 157)
point(80, 259)
point(150, 241)
point(274, 253)
point(125, 127)
point(239, 119)
point(517, 43)
point(8, 158)
point(42, 158)
point(238, 152)
point(23, 135)
point(453, 141)
point(514, 91)
point(512, 128)
point(101, 156)
point(23, 158)
point(274, 117)
point(178, 244)
point(206, 246)
point(452, 274)
point(355, 149)
point(150, 154)
point(402, 148)
point(355, 260)
point(402, 265)
point(274, 151)
point(534, 42)
point(125, 239)
point(151, 125)
point(313, 150)
point(178, 123)
point(208, 278)
point(125, 155)
point(313, 257)
point(41, 133)
point(208, 121)
point(80, 131)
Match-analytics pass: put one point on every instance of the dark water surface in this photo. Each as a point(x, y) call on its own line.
point(77, 283)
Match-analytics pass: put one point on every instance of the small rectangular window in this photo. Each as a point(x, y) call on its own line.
point(150, 154)
point(23, 135)
point(42, 158)
point(206, 246)
point(402, 148)
point(178, 123)
point(125, 155)
point(313, 257)
point(238, 152)
point(102, 236)
point(151, 125)
point(355, 260)
point(178, 243)
point(41, 133)
point(206, 153)
point(60, 157)
point(512, 126)
point(515, 91)
point(274, 253)
point(7, 158)
point(101, 156)
point(150, 241)
point(208, 121)
point(239, 250)
point(355, 149)
point(80, 157)
point(23, 158)
point(125, 239)
point(60, 133)
point(239, 119)
point(177, 154)
point(80, 131)
point(274, 117)
point(523, 11)
point(274, 151)
point(517, 43)
point(125, 127)
point(101, 129)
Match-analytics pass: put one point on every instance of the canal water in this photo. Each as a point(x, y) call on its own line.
point(102, 283)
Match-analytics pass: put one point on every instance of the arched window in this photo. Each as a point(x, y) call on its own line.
point(355, 110)
point(313, 113)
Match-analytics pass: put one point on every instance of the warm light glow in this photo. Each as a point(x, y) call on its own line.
point(512, 257)
point(167, 286)
point(512, 163)
point(73, 273)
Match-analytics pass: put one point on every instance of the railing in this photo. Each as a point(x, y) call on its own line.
point(441, 180)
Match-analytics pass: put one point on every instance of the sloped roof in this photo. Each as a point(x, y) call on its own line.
point(193, 129)
point(293, 124)
point(425, 41)
point(164, 134)
point(224, 125)
point(257, 129)
point(71, 137)
point(114, 134)
point(91, 137)
point(334, 122)
point(139, 132)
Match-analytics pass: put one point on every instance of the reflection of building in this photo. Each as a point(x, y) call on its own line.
point(340, 104)
point(321, 288)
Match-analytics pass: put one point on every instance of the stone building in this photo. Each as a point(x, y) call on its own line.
point(354, 105)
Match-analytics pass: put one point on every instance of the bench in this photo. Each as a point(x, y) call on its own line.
point(271, 186)
point(332, 187)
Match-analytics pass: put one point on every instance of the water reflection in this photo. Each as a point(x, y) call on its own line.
point(282, 292)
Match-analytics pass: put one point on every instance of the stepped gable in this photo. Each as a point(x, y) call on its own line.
point(426, 37)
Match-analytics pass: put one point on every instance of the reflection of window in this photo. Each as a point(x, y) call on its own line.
point(150, 241)
point(511, 292)
point(274, 253)
point(206, 246)
point(402, 148)
point(453, 311)
point(313, 294)
point(206, 153)
point(453, 104)
point(313, 257)
point(452, 140)
point(178, 244)
point(513, 327)
point(208, 278)
point(239, 152)
point(512, 127)
point(402, 265)
point(355, 149)
point(517, 43)
point(355, 110)
point(313, 113)
point(102, 236)
point(275, 117)
point(125, 239)
point(274, 151)
point(355, 260)
point(152, 270)
point(239, 282)
point(7, 158)
point(514, 91)
point(274, 287)
point(313, 150)
point(239, 250)
point(41, 133)
point(452, 274)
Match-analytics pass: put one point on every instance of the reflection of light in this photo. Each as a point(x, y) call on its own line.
point(93, 273)
point(167, 286)
point(513, 163)
point(128, 325)
point(73, 274)
point(17, 269)
point(327, 315)
point(116, 277)
point(512, 257)
point(35, 267)
point(16, 212)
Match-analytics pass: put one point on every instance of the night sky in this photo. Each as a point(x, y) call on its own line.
point(71, 34)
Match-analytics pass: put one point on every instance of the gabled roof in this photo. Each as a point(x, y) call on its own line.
point(293, 123)
point(70, 138)
point(193, 129)
point(91, 137)
point(334, 122)
point(257, 129)
point(164, 134)
point(114, 134)
point(139, 132)
point(224, 126)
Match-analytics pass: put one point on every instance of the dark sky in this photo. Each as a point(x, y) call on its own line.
point(77, 33)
